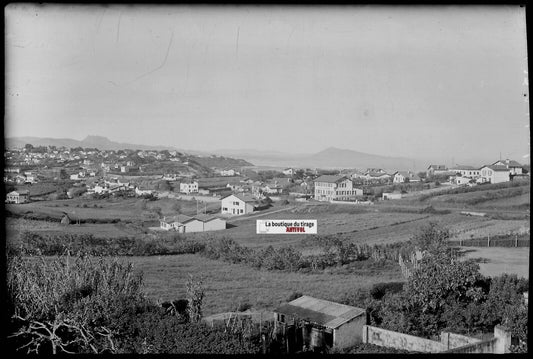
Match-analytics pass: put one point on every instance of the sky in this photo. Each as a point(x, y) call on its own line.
point(406, 81)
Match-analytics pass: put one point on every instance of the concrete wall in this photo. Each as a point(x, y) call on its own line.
point(194, 226)
point(215, 225)
point(387, 338)
point(500, 344)
point(451, 340)
point(350, 333)
point(485, 346)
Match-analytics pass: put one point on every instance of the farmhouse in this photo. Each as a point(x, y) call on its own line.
point(405, 176)
point(189, 187)
point(308, 322)
point(495, 173)
point(514, 167)
point(329, 188)
point(237, 204)
point(18, 197)
point(466, 171)
point(436, 170)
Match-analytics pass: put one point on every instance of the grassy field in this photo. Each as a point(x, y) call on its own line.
point(227, 285)
point(130, 209)
point(501, 260)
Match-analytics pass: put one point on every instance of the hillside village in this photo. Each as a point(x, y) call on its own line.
point(47, 172)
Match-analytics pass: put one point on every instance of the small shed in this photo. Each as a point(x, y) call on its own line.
point(308, 322)
point(392, 195)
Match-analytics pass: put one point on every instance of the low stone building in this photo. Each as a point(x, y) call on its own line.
point(308, 322)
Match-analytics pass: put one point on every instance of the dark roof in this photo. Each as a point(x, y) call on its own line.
point(205, 217)
point(377, 174)
point(464, 168)
point(319, 311)
point(330, 178)
point(497, 168)
point(181, 218)
point(509, 163)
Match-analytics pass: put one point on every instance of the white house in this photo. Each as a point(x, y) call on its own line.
point(461, 181)
point(329, 188)
point(143, 192)
point(466, 171)
point(288, 171)
point(405, 176)
point(495, 174)
point(18, 197)
point(229, 172)
point(436, 170)
point(189, 187)
point(514, 167)
point(237, 204)
point(176, 223)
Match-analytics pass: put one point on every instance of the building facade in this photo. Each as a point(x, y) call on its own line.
point(189, 187)
point(331, 188)
point(237, 204)
point(495, 174)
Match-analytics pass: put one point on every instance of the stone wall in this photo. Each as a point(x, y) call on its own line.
point(387, 338)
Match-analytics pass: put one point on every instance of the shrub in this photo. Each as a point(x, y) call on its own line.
point(294, 295)
point(379, 290)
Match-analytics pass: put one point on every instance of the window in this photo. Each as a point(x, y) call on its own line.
point(242, 210)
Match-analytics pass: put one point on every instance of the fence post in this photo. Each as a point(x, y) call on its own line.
point(516, 240)
point(488, 240)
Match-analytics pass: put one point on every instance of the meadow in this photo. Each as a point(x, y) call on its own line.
point(229, 285)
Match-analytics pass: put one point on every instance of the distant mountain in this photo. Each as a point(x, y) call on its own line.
point(329, 158)
point(100, 142)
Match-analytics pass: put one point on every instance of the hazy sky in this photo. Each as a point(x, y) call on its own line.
point(398, 81)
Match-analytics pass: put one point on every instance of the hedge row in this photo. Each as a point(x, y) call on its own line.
point(38, 243)
point(335, 253)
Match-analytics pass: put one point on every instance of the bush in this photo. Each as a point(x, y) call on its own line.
point(293, 296)
point(50, 243)
point(89, 305)
point(379, 290)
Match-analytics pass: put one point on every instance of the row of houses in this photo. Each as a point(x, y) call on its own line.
point(187, 224)
point(499, 171)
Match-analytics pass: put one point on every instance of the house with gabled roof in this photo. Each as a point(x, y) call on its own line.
point(514, 167)
point(495, 173)
point(436, 170)
point(311, 323)
point(405, 176)
point(237, 204)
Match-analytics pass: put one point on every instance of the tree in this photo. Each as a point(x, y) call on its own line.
point(432, 238)
point(195, 296)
